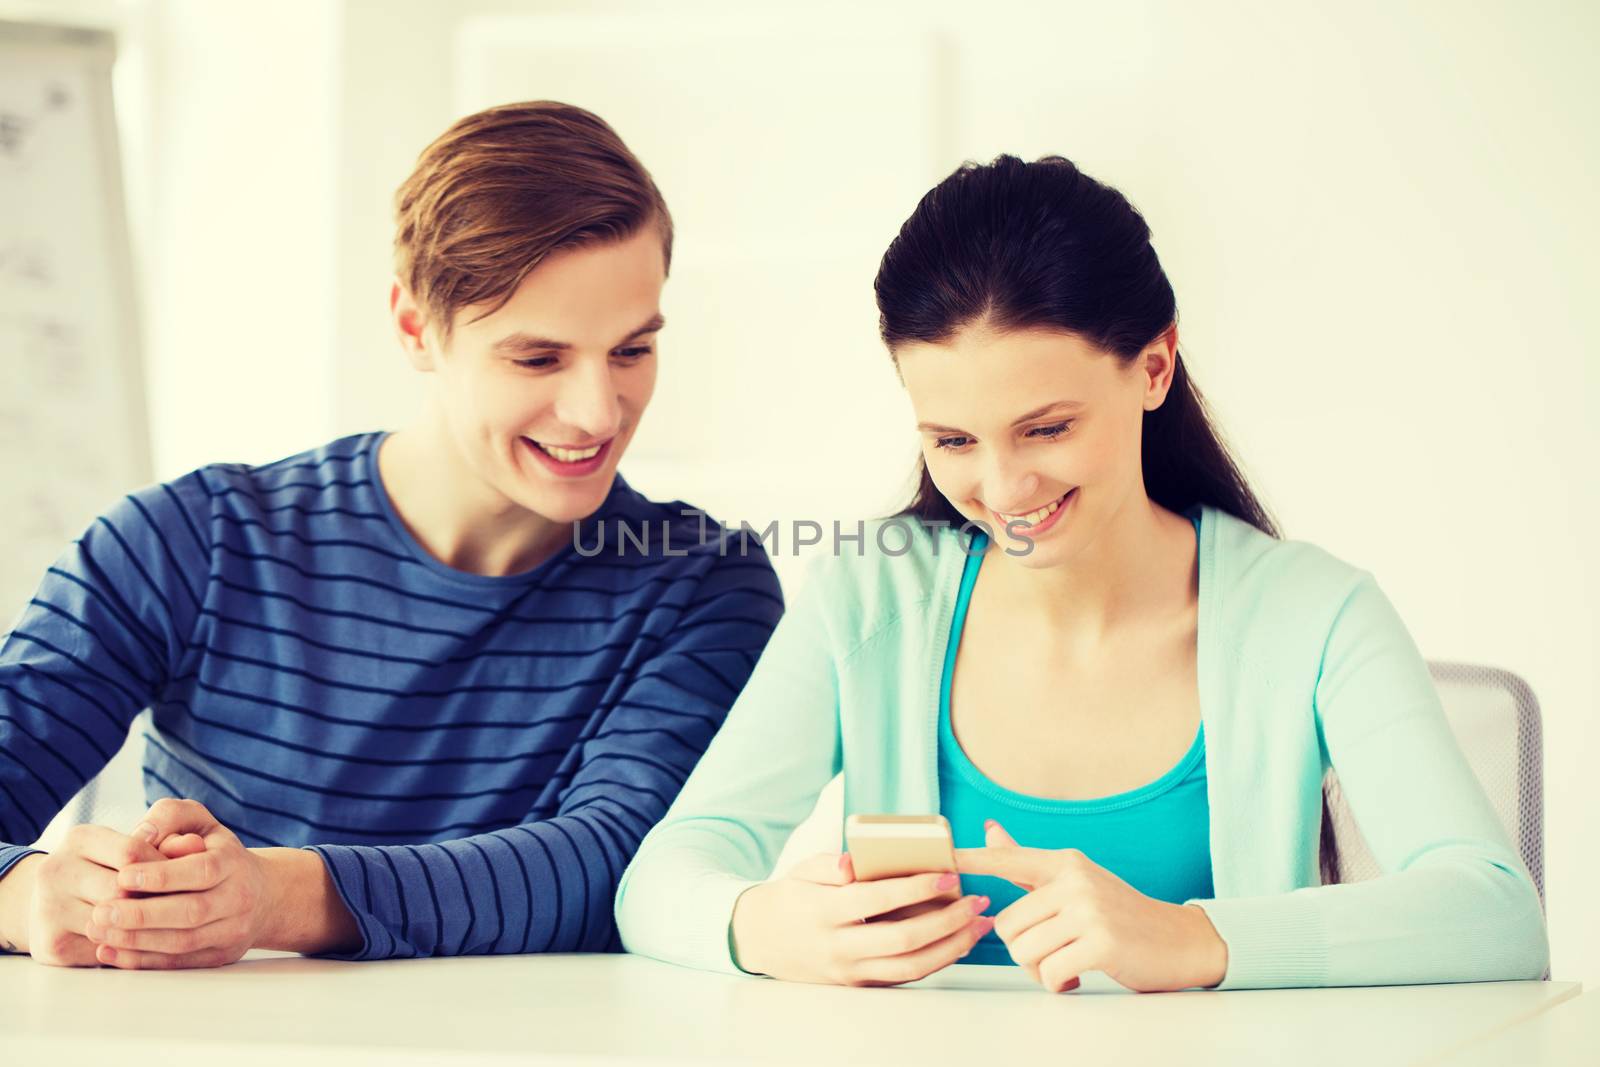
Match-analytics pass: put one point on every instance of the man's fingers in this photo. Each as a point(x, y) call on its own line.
point(132, 960)
point(203, 870)
point(87, 881)
point(912, 935)
point(169, 816)
point(68, 950)
point(170, 911)
point(65, 944)
point(181, 845)
point(172, 942)
point(103, 845)
point(866, 900)
point(72, 917)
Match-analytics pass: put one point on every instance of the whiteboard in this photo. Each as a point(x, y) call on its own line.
point(74, 434)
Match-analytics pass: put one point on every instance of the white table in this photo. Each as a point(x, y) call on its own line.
point(493, 1009)
point(1567, 1035)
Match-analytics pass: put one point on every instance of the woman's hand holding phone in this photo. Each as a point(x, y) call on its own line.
point(819, 924)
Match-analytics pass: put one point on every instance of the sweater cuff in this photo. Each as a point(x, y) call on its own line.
point(691, 927)
point(343, 867)
point(11, 855)
point(711, 939)
point(1274, 942)
point(733, 957)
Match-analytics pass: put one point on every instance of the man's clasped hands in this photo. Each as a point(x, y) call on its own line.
point(179, 891)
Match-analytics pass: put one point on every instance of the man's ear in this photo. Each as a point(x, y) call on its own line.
point(411, 327)
point(1157, 365)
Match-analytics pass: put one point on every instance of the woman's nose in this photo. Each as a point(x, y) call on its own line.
point(1009, 487)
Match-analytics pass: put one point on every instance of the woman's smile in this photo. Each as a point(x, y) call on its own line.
point(1036, 522)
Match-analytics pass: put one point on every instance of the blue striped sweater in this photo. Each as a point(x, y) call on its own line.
point(475, 758)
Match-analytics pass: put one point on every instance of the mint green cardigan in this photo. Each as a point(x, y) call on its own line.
point(1303, 664)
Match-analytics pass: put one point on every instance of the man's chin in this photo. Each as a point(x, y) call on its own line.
point(569, 505)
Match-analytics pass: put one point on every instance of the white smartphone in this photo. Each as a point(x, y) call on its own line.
point(892, 846)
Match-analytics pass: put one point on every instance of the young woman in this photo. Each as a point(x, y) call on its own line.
point(1124, 704)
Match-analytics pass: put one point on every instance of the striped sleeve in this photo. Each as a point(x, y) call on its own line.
point(546, 885)
point(759, 779)
point(109, 625)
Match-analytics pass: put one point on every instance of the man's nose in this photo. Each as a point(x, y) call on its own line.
point(587, 400)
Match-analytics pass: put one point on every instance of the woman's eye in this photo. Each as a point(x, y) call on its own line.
point(953, 441)
point(636, 352)
point(1048, 432)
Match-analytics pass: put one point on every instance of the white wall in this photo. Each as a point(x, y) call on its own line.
point(242, 231)
point(1377, 217)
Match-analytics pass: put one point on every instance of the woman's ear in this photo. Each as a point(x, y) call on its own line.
point(1157, 364)
point(410, 327)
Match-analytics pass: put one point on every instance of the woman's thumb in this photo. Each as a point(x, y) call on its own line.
point(995, 836)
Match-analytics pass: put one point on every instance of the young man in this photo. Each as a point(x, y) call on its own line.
point(396, 711)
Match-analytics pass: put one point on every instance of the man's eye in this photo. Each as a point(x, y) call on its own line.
point(635, 352)
point(1047, 432)
point(952, 442)
point(536, 362)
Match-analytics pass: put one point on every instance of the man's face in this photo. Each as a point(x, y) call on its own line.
point(541, 397)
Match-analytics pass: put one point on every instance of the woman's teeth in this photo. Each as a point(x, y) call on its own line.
point(1033, 518)
point(570, 455)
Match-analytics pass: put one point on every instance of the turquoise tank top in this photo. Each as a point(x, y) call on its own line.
point(1156, 837)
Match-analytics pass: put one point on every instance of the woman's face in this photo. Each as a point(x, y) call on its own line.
point(1036, 429)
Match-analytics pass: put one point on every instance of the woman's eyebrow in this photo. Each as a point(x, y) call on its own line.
point(1054, 405)
point(526, 342)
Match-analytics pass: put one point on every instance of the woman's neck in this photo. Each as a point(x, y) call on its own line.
point(459, 520)
point(1140, 568)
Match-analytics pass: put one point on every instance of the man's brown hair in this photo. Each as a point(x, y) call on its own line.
point(504, 188)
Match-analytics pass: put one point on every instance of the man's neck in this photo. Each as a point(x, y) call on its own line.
point(460, 521)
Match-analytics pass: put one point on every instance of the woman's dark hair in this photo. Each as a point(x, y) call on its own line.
point(1016, 245)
